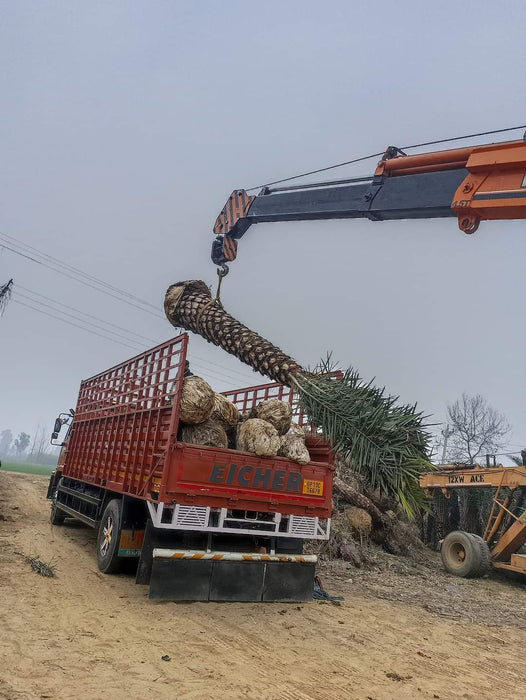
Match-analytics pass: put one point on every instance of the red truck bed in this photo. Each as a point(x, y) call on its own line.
point(124, 438)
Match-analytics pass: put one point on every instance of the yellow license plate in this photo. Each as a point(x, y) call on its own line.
point(312, 487)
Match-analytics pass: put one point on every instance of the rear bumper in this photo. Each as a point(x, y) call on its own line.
point(189, 575)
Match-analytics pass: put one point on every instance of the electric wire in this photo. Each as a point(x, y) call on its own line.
point(225, 374)
point(229, 377)
point(76, 270)
point(206, 371)
point(85, 313)
point(46, 313)
point(65, 313)
point(57, 269)
point(381, 153)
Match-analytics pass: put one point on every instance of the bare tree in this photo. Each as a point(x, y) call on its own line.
point(476, 429)
point(42, 443)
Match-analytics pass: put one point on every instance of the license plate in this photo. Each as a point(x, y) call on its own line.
point(312, 487)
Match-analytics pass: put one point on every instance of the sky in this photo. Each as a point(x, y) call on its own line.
point(126, 125)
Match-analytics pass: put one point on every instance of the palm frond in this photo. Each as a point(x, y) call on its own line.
point(5, 295)
point(385, 441)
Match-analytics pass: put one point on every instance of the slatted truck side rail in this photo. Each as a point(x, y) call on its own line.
point(124, 471)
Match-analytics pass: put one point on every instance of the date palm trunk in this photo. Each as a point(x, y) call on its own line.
point(383, 440)
point(189, 305)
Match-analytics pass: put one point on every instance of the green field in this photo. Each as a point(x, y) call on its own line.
point(26, 468)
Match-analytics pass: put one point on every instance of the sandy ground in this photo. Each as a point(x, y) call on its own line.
point(403, 631)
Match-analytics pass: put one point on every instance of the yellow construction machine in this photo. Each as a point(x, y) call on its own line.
point(469, 555)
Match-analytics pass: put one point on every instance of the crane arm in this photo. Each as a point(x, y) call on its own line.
point(474, 184)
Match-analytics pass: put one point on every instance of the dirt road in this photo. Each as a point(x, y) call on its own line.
point(86, 635)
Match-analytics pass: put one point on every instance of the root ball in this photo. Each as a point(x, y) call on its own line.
point(277, 413)
point(224, 412)
point(258, 437)
point(209, 433)
point(293, 447)
point(359, 519)
point(197, 401)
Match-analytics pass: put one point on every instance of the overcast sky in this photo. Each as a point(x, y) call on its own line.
point(126, 125)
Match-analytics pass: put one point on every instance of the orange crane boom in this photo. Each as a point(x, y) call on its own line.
point(476, 183)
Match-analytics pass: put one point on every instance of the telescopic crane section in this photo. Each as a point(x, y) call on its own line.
point(477, 183)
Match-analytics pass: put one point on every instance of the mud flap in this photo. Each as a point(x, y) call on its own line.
point(200, 579)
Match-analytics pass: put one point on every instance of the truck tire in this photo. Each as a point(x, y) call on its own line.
point(108, 538)
point(485, 555)
point(56, 516)
point(461, 554)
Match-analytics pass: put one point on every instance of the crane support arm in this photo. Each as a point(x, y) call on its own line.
point(474, 184)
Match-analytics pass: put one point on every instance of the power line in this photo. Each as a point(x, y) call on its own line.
point(84, 313)
point(196, 360)
point(76, 270)
point(230, 374)
point(88, 330)
point(65, 313)
point(76, 279)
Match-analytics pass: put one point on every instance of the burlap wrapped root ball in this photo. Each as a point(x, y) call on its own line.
point(293, 447)
point(197, 400)
point(210, 433)
point(277, 413)
point(258, 437)
point(359, 520)
point(224, 412)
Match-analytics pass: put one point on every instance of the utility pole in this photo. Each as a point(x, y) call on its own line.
point(445, 434)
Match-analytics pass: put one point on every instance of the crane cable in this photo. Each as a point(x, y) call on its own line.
point(380, 154)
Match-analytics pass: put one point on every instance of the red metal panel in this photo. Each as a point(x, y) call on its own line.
point(247, 399)
point(208, 476)
point(125, 419)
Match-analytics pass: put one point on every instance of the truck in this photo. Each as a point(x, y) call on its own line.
point(202, 523)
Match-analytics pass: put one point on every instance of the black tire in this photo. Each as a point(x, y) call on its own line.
point(461, 554)
point(56, 516)
point(108, 538)
point(485, 555)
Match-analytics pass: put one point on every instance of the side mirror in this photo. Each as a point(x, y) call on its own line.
point(57, 426)
point(54, 435)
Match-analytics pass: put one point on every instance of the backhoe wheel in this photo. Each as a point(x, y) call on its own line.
point(462, 554)
point(56, 516)
point(108, 538)
point(485, 555)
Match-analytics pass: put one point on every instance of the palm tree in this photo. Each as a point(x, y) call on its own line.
point(385, 441)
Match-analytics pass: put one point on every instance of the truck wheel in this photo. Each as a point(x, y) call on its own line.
point(461, 554)
point(108, 538)
point(56, 516)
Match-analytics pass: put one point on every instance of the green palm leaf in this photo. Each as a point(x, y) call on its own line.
point(384, 441)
